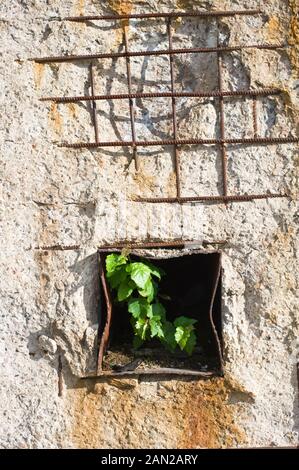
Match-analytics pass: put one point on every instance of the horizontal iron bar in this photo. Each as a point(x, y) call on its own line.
point(236, 198)
point(72, 58)
point(162, 15)
point(174, 243)
point(167, 94)
point(162, 371)
point(168, 244)
point(152, 143)
point(58, 247)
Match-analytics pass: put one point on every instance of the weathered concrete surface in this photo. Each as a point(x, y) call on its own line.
point(56, 196)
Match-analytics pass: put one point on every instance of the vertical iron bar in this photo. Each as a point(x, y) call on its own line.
point(222, 121)
point(174, 116)
point(131, 102)
point(104, 339)
point(254, 109)
point(94, 104)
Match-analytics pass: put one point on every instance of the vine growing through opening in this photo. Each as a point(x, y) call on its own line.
point(136, 283)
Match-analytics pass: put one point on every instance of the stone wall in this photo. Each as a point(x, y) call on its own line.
point(57, 196)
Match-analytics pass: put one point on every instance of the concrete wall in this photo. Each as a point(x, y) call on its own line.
point(53, 196)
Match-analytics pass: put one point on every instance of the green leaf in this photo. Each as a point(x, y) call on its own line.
point(116, 277)
point(141, 328)
point(191, 343)
point(184, 321)
point(140, 274)
point(179, 334)
point(181, 337)
point(159, 310)
point(169, 339)
point(155, 271)
point(156, 327)
point(139, 324)
point(124, 291)
point(184, 333)
point(139, 307)
point(148, 291)
point(134, 307)
point(113, 261)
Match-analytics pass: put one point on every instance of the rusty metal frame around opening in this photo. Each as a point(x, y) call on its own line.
point(223, 142)
point(104, 336)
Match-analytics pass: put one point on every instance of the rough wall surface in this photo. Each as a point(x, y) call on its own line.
point(60, 196)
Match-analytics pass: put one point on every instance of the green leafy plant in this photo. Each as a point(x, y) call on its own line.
point(137, 284)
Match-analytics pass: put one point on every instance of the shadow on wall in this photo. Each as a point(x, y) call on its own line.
point(83, 348)
point(87, 271)
point(71, 329)
point(194, 73)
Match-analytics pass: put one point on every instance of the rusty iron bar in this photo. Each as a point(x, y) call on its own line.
point(131, 244)
point(94, 104)
point(158, 371)
point(203, 50)
point(60, 380)
point(212, 94)
point(103, 340)
point(131, 102)
point(154, 143)
point(174, 116)
point(182, 14)
point(222, 121)
point(160, 244)
point(57, 248)
point(236, 198)
point(216, 283)
point(254, 111)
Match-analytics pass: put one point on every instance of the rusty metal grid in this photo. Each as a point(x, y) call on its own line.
point(223, 142)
